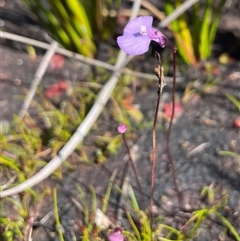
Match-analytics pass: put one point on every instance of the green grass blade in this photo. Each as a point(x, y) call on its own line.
point(229, 226)
point(134, 227)
point(133, 199)
point(5, 161)
point(56, 215)
point(215, 21)
point(94, 199)
point(234, 100)
point(109, 188)
point(76, 9)
point(85, 205)
point(18, 206)
point(48, 20)
point(201, 216)
point(182, 35)
point(230, 154)
point(195, 31)
point(204, 35)
point(171, 229)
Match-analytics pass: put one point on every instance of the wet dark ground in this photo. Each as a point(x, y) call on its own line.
point(204, 128)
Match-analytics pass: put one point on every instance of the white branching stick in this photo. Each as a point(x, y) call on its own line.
point(92, 115)
point(177, 12)
point(82, 130)
point(80, 57)
point(37, 78)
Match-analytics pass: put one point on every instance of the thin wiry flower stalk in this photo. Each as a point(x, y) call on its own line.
point(161, 83)
point(133, 167)
point(171, 164)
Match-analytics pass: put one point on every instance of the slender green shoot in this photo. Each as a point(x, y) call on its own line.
point(56, 215)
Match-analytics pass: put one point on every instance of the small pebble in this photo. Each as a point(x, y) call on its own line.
point(19, 62)
point(2, 23)
point(17, 81)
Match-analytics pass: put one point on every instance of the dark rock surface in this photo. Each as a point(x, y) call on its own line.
point(203, 130)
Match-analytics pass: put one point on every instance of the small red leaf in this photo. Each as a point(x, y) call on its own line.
point(57, 61)
point(236, 123)
point(56, 89)
point(167, 110)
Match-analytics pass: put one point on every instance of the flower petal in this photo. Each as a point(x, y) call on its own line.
point(133, 26)
point(116, 235)
point(122, 128)
point(134, 45)
point(156, 36)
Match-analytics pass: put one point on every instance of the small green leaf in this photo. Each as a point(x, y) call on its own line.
point(234, 100)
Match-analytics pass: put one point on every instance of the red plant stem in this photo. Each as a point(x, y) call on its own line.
point(171, 164)
point(159, 73)
point(154, 149)
point(133, 166)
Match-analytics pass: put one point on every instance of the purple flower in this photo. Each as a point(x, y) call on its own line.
point(116, 235)
point(122, 128)
point(138, 34)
